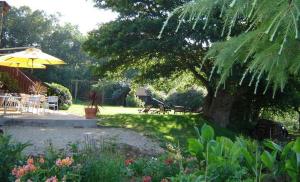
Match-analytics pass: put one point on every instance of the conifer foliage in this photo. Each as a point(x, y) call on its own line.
point(269, 48)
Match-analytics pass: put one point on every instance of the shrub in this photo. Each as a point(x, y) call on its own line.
point(63, 93)
point(156, 169)
point(114, 92)
point(160, 95)
point(8, 83)
point(221, 159)
point(10, 154)
point(133, 101)
point(104, 167)
point(192, 99)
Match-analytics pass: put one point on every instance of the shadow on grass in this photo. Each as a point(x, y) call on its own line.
point(165, 128)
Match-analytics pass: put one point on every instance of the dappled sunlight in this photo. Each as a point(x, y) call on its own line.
point(166, 128)
point(78, 109)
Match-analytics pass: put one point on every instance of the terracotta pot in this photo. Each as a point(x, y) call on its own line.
point(90, 113)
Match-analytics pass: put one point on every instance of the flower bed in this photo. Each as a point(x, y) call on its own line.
point(207, 159)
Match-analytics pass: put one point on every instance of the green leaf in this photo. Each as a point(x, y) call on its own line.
point(291, 169)
point(296, 146)
point(250, 160)
point(267, 159)
point(207, 132)
point(270, 144)
point(194, 146)
point(286, 150)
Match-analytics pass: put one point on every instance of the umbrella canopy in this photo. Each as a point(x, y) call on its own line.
point(22, 65)
point(32, 56)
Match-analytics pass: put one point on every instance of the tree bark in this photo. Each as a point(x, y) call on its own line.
point(218, 108)
point(233, 108)
point(226, 106)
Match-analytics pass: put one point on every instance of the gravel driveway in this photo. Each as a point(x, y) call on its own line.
point(61, 136)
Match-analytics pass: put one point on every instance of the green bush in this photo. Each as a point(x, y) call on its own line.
point(192, 99)
point(8, 83)
point(160, 95)
point(221, 159)
point(63, 93)
point(10, 155)
point(133, 101)
point(157, 169)
point(105, 167)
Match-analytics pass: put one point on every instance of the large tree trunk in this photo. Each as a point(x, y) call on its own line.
point(218, 108)
point(227, 108)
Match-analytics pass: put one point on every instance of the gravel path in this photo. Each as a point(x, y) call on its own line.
point(60, 137)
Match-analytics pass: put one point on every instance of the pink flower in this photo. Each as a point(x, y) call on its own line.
point(30, 160)
point(128, 162)
point(64, 162)
point(22, 170)
point(146, 179)
point(52, 179)
point(169, 161)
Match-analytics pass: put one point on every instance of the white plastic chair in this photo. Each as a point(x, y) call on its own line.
point(53, 102)
point(34, 102)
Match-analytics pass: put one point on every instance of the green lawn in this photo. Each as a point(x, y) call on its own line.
point(78, 109)
point(165, 128)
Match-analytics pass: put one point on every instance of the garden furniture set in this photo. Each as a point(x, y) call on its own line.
point(27, 103)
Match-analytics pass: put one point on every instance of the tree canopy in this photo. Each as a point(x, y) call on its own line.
point(25, 28)
point(269, 48)
point(191, 45)
point(131, 41)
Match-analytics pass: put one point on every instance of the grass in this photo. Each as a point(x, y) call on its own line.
point(78, 109)
point(164, 128)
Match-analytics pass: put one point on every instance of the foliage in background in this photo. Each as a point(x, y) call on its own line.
point(179, 82)
point(25, 27)
point(8, 83)
point(192, 99)
point(133, 101)
point(10, 155)
point(156, 93)
point(63, 93)
point(137, 47)
point(115, 92)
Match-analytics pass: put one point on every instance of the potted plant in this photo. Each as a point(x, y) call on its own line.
point(92, 109)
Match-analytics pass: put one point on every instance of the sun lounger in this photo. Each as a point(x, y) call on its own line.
point(145, 110)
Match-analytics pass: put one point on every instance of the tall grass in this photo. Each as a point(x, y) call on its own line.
point(100, 161)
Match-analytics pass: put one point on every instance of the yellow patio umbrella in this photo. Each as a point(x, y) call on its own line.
point(22, 65)
point(31, 56)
